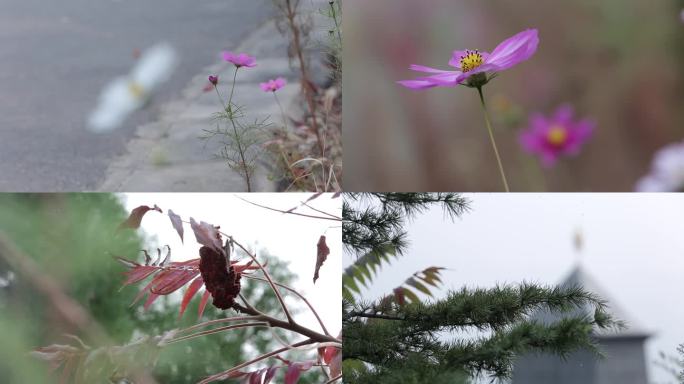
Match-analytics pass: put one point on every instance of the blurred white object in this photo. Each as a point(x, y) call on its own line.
point(126, 94)
point(667, 171)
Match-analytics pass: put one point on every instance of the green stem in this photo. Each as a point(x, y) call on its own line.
point(231, 117)
point(491, 138)
point(282, 112)
point(223, 103)
point(232, 89)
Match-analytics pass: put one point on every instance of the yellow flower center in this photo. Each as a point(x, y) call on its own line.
point(136, 89)
point(557, 135)
point(471, 60)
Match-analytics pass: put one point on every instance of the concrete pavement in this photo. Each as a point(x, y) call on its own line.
point(55, 57)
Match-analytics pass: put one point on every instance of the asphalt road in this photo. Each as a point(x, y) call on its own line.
point(55, 57)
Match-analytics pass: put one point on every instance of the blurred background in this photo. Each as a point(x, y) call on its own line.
point(618, 62)
point(57, 278)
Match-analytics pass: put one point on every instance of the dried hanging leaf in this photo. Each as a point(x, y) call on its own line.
point(136, 216)
point(321, 256)
point(177, 223)
point(207, 234)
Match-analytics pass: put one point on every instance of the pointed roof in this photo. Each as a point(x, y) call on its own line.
point(579, 277)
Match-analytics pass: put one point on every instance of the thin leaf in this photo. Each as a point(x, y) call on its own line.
point(203, 303)
point(292, 374)
point(418, 285)
point(270, 374)
point(139, 273)
point(150, 299)
point(412, 297)
point(190, 293)
point(177, 223)
point(399, 295)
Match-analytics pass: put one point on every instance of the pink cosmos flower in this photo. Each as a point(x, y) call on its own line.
point(558, 135)
point(273, 85)
point(240, 59)
point(510, 52)
point(667, 171)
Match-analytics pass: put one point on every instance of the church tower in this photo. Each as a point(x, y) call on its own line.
point(624, 361)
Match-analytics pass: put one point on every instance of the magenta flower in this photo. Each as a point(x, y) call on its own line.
point(510, 52)
point(273, 85)
point(213, 79)
point(559, 135)
point(240, 60)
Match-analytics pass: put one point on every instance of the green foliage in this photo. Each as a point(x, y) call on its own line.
point(375, 234)
point(401, 339)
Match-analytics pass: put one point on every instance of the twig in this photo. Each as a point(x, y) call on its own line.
point(217, 330)
point(300, 296)
point(290, 319)
point(334, 379)
point(286, 212)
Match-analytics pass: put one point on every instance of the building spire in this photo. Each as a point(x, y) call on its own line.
point(578, 241)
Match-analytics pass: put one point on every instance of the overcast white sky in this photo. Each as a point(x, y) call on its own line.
point(633, 248)
point(291, 238)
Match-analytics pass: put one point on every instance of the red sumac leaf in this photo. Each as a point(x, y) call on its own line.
point(333, 357)
point(177, 223)
point(322, 254)
point(292, 374)
point(150, 299)
point(139, 273)
point(269, 374)
point(171, 280)
point(136, 216)
point(190, 293)
point(206, 234)
point(203, 303)
point(399, 295)
point(255, 377)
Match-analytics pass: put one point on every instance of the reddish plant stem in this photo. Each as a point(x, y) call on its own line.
point(293, 327)
point(291, 14)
